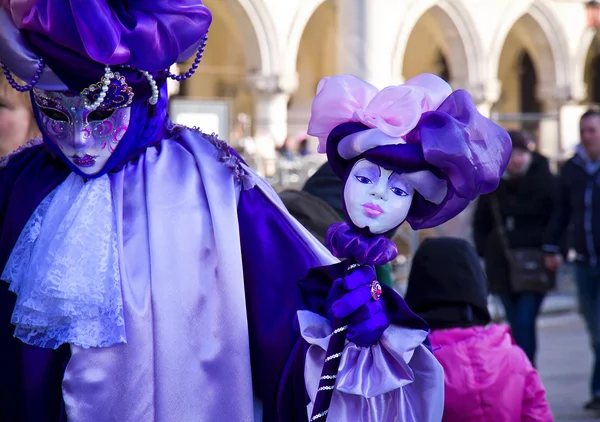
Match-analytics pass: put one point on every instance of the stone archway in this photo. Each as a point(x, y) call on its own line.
point(588, 61)
point(316, 58)
point(305, 12)
point(450, 30)
point(242, 63)
point(536, 29)
point(251, 27)
point(531, 49)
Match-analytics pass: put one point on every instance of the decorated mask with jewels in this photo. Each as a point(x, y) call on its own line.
point(86, 138)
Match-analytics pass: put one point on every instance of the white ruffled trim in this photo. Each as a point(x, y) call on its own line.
point(65, 272)
point(380, 382)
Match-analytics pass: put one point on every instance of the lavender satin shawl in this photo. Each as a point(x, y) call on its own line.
point(184, 304)
point(185, 316)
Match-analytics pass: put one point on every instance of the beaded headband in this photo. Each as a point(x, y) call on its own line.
point(112, 91)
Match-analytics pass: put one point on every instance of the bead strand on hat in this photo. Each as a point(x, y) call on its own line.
point(195, 65)
point(154, 98)
point(105, 82)
point(29, 86)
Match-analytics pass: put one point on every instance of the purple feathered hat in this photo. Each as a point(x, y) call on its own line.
point(436, 138)
point(81, 45)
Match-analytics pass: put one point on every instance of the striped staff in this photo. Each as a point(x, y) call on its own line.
point(331, 367)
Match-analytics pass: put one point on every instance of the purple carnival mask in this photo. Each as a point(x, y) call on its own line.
point(376, 198)
point(86, 138)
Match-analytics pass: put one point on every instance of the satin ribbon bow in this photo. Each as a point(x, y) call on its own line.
point(394, 111)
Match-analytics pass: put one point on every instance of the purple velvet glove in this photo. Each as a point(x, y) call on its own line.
point(350, 300)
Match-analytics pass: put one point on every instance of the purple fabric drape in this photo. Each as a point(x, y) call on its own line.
point(115, 32)
point(30, 381)
point(275, 258)
point(26, 180)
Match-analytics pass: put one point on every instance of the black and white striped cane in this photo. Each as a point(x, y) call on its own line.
point(331, 367)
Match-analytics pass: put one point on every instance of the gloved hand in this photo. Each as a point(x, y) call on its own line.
point(350, 299)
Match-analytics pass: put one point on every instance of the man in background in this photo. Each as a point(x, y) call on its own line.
point(578, 207)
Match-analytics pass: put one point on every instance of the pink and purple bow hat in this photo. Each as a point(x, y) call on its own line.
point(435, 137)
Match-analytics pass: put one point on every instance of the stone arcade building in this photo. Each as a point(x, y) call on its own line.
point(528, 63)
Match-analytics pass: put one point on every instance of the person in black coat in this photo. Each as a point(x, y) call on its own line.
point(525, 200)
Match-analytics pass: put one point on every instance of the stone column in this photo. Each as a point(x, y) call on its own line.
point(361, 47)
point(271, 93)
point(569, 115)
point(553, 98)
point(271, 97)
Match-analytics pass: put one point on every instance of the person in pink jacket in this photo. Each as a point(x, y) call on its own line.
point(488, 378)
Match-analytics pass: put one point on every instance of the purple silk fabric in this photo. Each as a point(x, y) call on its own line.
point(345, 242)
point(148, 35)
point(76, 39)
point(18, 57)
point(274, 258)
point(397, 379)
point(183, 295)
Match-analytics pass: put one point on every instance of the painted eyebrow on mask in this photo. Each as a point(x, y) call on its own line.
point(365, 166)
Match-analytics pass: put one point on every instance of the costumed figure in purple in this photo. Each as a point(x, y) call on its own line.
point(419, 153)
point(150, 275)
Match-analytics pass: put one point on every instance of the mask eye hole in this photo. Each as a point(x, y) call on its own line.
point(53, 114)
point(97, 115)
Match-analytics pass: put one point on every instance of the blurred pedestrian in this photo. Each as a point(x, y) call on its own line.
point(579, 208)
point(486, 376)
point(508, 229)
point(286, 150)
